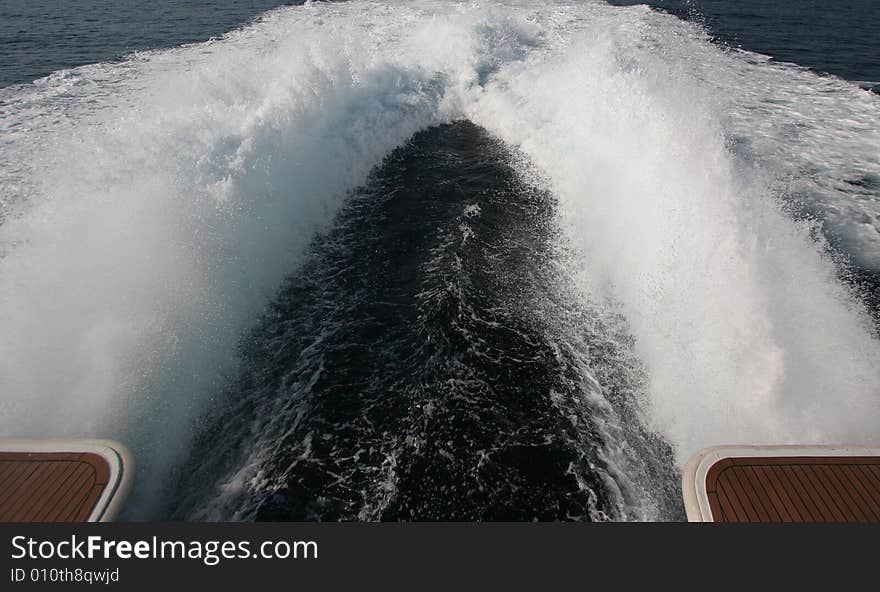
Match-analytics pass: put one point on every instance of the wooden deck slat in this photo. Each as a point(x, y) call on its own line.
point(864, 500)
point(69, 512)
point(59, 502)
point(783, 511)
point(50, 486)
point(871, 491)
point(798, 512)
point(850, 493)
point(843, 513)
point(18, 494)
point(57, 512)
point(56, 492)
point(739, 503)
point(828, 511)
point(46, 484)
point(871, 486)
point(730, 508)
point(813, 490)
point(794, 489)
point(750, 505)
point(748, 497)
point(11, 473)
point(20, 472)
point(847, 503)
point(765, 507)
point(799, 495)
point(736, 495)
point(8, 468)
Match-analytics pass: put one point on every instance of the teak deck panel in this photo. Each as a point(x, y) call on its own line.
point(50, 486)
point(808, 488)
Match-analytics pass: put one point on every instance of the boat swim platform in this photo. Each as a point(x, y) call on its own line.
point(63, 480)
point(783, 484)
point(88, 480)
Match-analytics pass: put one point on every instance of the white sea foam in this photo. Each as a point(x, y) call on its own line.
point(149, 208)
point(747, 335)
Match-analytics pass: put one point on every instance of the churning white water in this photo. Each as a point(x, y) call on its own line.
point(149, 208)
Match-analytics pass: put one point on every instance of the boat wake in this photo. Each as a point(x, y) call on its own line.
point(522, 261)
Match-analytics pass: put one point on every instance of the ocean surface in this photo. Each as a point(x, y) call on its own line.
point(424, 260)
point(838, 38)
point(38, 37)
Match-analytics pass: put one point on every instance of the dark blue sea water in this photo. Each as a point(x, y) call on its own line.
point(38, 37)
point(837, 37)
